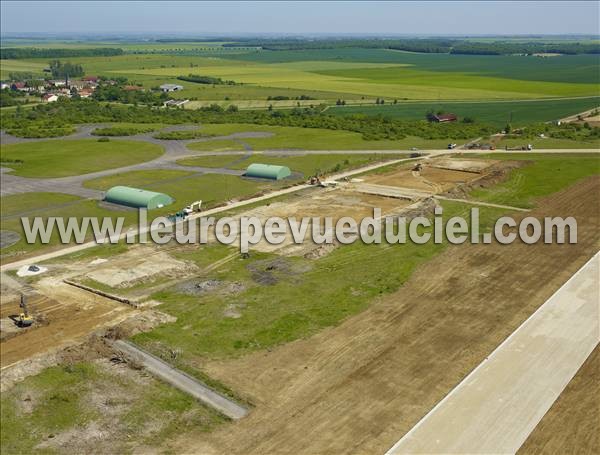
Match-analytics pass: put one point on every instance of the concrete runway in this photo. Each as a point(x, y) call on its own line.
point(497, 406)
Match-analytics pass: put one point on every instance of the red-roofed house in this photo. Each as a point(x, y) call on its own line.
point(85, 92)
point(445, 118)
point(49, 98)
point(90, 79)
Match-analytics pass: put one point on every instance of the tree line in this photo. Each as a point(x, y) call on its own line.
point(198, 79)
point(430, 45)
point(33, 52)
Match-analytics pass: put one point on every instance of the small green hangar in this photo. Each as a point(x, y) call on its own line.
point(136, 197)
point(268, 171)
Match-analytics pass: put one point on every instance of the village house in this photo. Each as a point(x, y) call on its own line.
point(49, 98)
point(171, 87)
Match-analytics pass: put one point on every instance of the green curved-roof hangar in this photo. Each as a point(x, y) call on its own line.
point(268, 171)
point(138, 198)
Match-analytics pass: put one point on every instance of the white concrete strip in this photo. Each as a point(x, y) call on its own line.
point(497, 406)
point(183, 382)
point(483, 204)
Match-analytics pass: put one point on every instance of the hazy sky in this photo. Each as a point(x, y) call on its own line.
point(483, 17)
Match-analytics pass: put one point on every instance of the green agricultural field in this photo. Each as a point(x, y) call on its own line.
point(567, 68)
point(288, 138)
point(493, 113)
point(307, 165)
point(58, 409)
point(61, 158)
point(354, 73)
point(15, 66)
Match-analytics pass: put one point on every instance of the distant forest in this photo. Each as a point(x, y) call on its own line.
point(446, 46)
point(32, 52)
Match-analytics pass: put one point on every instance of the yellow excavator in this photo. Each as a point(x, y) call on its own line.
point(25, 319)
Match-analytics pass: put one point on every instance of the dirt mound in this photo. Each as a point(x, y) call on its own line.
point(496, 174)
point(270, 271)
point(198, 287)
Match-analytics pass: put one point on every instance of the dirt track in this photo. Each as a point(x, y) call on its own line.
point(358, 387)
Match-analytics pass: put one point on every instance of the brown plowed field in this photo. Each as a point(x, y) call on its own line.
point(360, 386)
point(571, 425)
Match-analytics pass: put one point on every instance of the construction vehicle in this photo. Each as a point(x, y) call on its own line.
point(451, 146)
point(179, 216)
point(417, 167)
point(25, 319)
point(193, 207)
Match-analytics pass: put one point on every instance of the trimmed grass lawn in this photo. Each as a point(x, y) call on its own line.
point(186, 187)
point(66, 400)
point(307, 165)
point(548, 143)
point(62, 158)
point(545, 174)
point(137, 179)
point(288, 137)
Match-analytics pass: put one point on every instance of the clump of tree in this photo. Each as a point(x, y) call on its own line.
point(32, 52)
point(122, 131)
point(62, 70)
point(117, 92)
point(10, 97)
point(198, 79)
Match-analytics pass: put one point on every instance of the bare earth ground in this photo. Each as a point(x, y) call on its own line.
point(71, 315)
point(358, 387)
point(571, 425)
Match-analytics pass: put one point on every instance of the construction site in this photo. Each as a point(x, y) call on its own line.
point(357, 380)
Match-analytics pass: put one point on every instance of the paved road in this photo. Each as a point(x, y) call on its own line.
point(183, 382)
point(496, 407)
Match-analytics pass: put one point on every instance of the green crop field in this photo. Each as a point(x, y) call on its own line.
point(519, 113)
point(348, 73)
point(61, 158)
